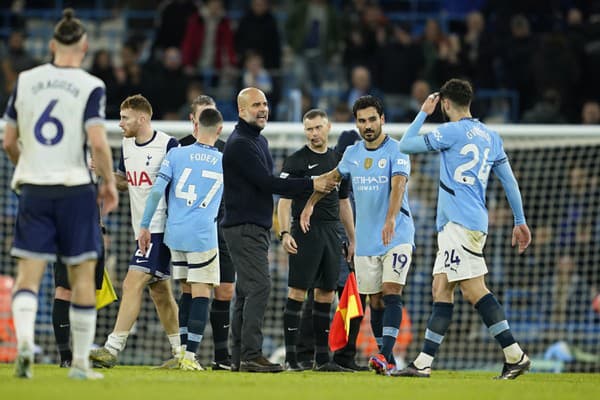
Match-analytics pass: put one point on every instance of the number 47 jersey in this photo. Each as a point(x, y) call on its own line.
point(51, 106)
point(469, 151)
point(196, 176)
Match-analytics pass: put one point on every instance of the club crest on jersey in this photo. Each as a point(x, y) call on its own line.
point(138, 179)
point(148, 158)
point(368, 163)
point(381, 163)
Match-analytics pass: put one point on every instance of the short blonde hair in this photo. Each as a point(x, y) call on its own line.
point(137, 102)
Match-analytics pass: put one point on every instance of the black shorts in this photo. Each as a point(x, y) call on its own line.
point(61, 277)
point(226, 268)
point(317, 263)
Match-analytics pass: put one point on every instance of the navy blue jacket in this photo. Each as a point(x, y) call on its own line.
point(249, 180)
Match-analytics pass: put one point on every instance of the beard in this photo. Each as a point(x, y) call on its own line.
point(374, 135)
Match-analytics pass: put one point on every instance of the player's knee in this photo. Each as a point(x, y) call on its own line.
point(324, 296)
point(296, 294)
point(62, 293)
point(224, 292)
point(133, 284)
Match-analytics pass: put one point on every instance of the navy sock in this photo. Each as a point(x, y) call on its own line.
point(492, 314)
point(291, 322)
point(197, 323)
point(321, 319)
point(377, 325)
point(437, 326)
point(219, 321)
point(185, 302)
point(62, 328)
point(392, 317)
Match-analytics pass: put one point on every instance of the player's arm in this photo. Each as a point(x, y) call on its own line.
point(11, 142)
point(157, 192)
point(396, 196)
point(284, 207)
point(521, 234)
point(102, 156)
point(333, 176)
point(411, 141)
point(347, 218)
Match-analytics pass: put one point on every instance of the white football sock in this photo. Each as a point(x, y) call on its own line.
point(423, 361)
point(513, 353)
point(116, 342)
point(24, 308)
point(83, 331)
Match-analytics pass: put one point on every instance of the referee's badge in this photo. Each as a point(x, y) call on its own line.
point(382, 163)
point(368, 163)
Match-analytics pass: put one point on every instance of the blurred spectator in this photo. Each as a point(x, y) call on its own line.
point(360, 82)
point(516, 61)
point(590, 113)
point(342, 113)
point(170, 85)
point(398, 61)
point(313, 34)
point(478, 51)
point(171, 23)
point(193, 90)
point(258, 31)
point(103, 68)
point(565, 296)
point(430, 44)
point(555, 66)
point(131, 78)
point(546, 110)
point(255, 75)
point(15, 59)
point(418, 94)
point(447, 65)
point(363, 36)
point(208, 41)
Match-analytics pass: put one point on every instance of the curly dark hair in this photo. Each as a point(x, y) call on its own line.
point(458, 91)
point(365, 102)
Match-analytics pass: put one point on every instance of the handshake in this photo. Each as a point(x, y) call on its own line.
point(324, 183)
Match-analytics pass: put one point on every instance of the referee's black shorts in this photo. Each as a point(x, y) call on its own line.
point(317, 263)
point(61, 277)
point(226, 268)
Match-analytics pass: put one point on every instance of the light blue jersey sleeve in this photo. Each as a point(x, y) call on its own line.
point(158, 189)
point(411, 141)
point(401, 164)
point(343, 167)
point(504, 172)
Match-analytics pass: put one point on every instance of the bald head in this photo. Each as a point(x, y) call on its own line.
point(253, 107)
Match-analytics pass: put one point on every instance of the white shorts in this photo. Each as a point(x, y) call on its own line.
point(195, 267)
point(393, 266)
point(460, 253)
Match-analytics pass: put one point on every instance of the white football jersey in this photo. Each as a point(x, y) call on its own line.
point(52, 106)
point(140, 164)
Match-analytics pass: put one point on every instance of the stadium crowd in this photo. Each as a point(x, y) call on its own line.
point(531, 62)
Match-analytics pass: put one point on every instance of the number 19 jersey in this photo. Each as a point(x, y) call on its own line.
point(469, 151)
point(196, 176)
point(52, 106)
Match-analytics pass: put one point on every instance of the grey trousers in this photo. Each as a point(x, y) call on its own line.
point(249, 247)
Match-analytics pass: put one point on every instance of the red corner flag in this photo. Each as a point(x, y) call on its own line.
point(349, 307)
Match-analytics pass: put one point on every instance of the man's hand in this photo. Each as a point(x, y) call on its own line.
point(305, 218)
point(349, 251)
point(324, 183)
point(107, 197)
point(521, 236)
point(430, 103)
point(387, 233)
point(144, 241)
point(289, 244)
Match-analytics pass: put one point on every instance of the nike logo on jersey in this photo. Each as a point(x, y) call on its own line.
point(140, 260)
point(311, 166)
point(292, 329)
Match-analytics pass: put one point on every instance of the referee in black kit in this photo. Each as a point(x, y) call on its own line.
point(314, 257)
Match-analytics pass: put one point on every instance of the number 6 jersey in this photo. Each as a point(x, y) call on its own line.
point(52, 106)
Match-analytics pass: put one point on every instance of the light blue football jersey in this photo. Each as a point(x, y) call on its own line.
point(371, 174)
point(196, 176)
point(469, 151)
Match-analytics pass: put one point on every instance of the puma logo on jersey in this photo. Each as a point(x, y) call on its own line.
point(136, 178)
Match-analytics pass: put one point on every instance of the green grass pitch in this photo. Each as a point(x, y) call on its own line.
point(132, 383)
